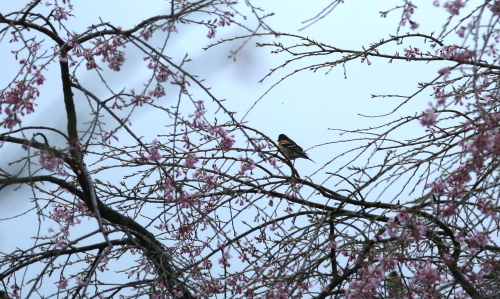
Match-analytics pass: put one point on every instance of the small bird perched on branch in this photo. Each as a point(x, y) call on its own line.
point(3, 295)
point(394, 284)
point(290, 149)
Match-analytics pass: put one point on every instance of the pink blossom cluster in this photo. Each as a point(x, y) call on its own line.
point(191, 160)
point(211, 32)
point(455, 53)
point(448, 210)
point(169, 28)
point(224, 260)
point(408, 227)
point(454, 6)
point(108, 49)
point(429, 118)
point(168, 186)
point(476, 240)
point(294, 190)
point(138, 99)
point(279, 291)
point(225, 20)
point(454, 184)
point(441, 96)
point(65, 217)
point(146, 33)
point(162, 73)
point(274, 163)
point(199, 122)
point(408, 11)
point(142, 159)
point(445, 72)
point(371, 277)
point(247, 165)
point(182, 82)
point(461, 31)
point(50, 162)
point(411, 53)
point(103, 264)
point(488, 208)
point(81, 207)
point(62, 284)
point(210, 181)
point(19, 101)
point(482, 147)
point(63, 214)
point(60, 13)
point(154, 154)
point(495, 7)
point(227, 140)
point(427, 274)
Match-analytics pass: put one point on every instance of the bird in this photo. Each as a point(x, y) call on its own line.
point(290, 149)
point(3, 295)
point(394, 284)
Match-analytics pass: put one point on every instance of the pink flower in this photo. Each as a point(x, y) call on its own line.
point(109, 51)
point(154, 155)
point(366, 286)
point(438, 187)
point(445, 72)
point(454, 6)
point(146, 34)
point(449, 210)
point(116, 60)
point(274, 163)
point(248, 165)
point(91, 64)
point(169, 28)
point(428, 118)
point(414, 25)
point(158, 92)
point(227, 142)
point(60, 13)
point(191, 160)
point(39, 78)
point(63, 284)
point(411, 54)
point(418, 230)
point(461, 56)
point(18, 101)
point(487, 207)
point(477, 239)
point(211, 33)
point(163, 74)
point(461, 32)
point(495, 7)
point(79, 281)
point(50, 162)
point(428, 274)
